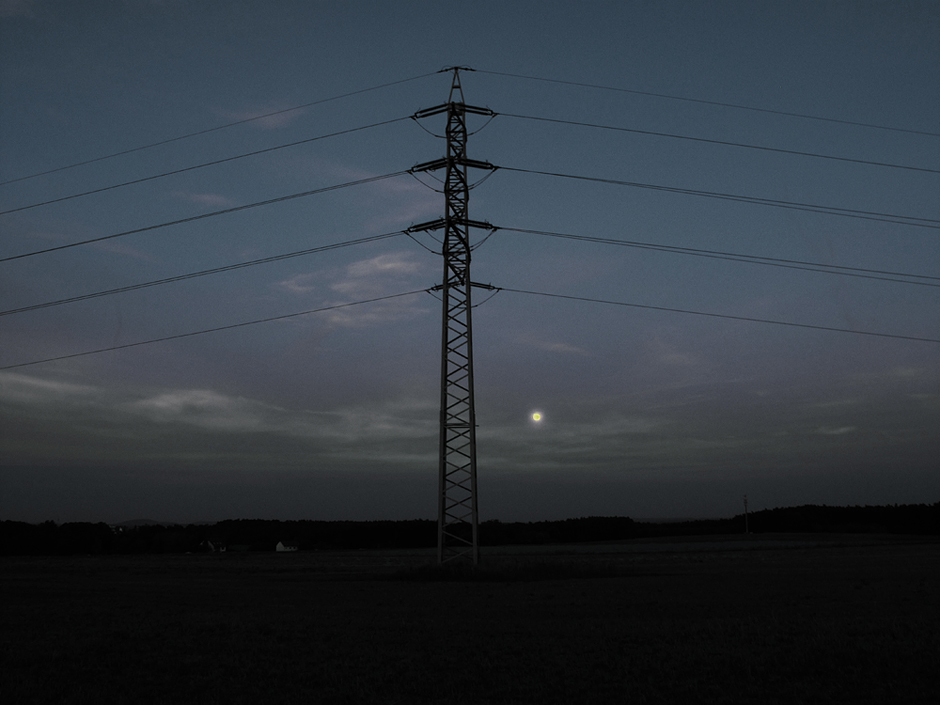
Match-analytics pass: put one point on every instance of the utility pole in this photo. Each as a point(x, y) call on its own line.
point(457, 474)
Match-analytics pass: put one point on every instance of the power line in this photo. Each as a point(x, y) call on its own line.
point(214, 129)
point(722, 142)
point(791, 205)
point(214, 330)
point(750, 259)
point(713, 254)
point(717, 103)
point(202, 273)
point(204, 164)
point(514, 291)
point(236, 209)
point(721, 315)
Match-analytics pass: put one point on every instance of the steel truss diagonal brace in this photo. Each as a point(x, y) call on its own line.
point(457, 493)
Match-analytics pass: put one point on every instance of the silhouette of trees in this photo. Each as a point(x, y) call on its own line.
point(889, 519)
point(48, 538)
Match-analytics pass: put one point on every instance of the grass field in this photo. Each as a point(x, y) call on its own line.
point(795, 620)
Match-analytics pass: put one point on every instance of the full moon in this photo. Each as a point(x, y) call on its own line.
point(536, 416)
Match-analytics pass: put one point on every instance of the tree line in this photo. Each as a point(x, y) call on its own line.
point(234, 535)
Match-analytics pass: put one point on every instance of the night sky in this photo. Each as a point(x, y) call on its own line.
point(646, 412)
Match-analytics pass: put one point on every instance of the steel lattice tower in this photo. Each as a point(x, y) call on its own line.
point(457, 489)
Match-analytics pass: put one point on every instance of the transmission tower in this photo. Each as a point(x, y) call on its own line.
point(457, 485)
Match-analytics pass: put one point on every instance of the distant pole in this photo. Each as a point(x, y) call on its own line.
point(746, 530)
point(457, 477)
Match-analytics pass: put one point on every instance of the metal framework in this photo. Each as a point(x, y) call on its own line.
point(457, 486)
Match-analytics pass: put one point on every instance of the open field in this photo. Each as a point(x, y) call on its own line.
point(769, 618)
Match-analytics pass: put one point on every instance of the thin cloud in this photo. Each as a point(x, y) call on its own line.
point(666, 353)
point(268, 121)
point(560, 347)
point(205, 408)
point(20, 388)
point(835, 431)
point(405, 203)
point(387, 420)
point(120, 248)
point(17, 8)
point(363, 279)
point(391, 265)
point(70, 232)
point(377, 313)
point(372, 278)
point(837, 403)
point(396, 202)
point(178, 423)
point(299, 284)
point(552, 346)
point(209, 200)
point(378, 276)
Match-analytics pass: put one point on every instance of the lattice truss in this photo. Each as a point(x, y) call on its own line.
point(457, 495)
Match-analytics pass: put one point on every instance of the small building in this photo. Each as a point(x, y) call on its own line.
point(213, 546)
point(288, 546)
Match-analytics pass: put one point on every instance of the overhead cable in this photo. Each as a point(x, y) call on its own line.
point(204, 164)
point(723, 143)
point(717, 103)
point(792, 205)
point(202, 273)
point(235, 209)
point(720, 315)
point(215, 129)
point(215, 330)
point(861, 272)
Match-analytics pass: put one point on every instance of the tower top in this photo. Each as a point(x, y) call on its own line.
point(455, 87)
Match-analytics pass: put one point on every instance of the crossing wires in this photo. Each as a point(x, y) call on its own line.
point(876, 215)
point(206, 131)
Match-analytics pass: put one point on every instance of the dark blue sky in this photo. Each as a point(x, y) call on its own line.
point(334, 415)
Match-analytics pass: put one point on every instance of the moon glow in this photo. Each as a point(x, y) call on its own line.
point(536, 416)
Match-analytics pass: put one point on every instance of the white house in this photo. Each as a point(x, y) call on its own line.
point(213, 546)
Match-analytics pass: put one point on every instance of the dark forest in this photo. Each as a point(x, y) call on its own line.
point(49, 538)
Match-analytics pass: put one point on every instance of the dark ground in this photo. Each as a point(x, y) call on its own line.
point(804, 620)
